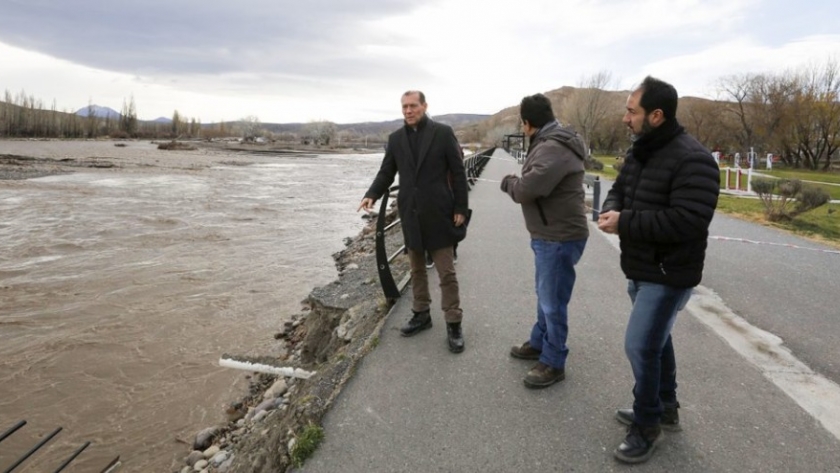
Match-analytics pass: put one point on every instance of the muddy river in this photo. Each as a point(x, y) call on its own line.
point(121, 286)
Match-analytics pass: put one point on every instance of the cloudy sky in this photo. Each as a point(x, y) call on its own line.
point(350, 60)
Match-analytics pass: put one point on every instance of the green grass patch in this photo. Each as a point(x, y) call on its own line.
point(306, 444)
point(821, 224)
point(609, 171)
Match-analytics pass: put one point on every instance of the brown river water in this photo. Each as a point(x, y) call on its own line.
point(121, 287)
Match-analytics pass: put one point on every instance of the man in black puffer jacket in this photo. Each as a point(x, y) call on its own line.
point(660, 206)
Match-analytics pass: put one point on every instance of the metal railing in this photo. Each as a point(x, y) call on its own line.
point(473, 165)
point(110, 467)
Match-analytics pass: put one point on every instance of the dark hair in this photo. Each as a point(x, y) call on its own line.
point(421, 94)
point(536, 110)
point(658, 94)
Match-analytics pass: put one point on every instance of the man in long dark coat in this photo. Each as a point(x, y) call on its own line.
point(432, 204)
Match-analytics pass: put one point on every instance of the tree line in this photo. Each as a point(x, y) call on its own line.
point(24, 116)
point(793, 115)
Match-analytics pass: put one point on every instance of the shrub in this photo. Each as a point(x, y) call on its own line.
point(590, 163)
point(306, 444)
point(778, 196)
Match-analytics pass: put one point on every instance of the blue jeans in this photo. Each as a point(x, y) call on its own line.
point(555, 277)
point(648, 346)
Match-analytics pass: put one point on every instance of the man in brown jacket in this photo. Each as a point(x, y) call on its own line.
point(552, 198)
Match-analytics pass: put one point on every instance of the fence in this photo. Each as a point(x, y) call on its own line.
point(738, 179)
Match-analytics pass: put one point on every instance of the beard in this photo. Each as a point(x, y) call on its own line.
point(646, 128)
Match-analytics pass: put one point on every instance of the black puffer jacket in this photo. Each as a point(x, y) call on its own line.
point(667, 193)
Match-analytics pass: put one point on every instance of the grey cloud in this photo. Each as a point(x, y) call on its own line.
point(171, 38)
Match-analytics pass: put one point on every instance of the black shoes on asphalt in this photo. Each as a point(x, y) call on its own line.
point(423, 320)
point(419, 321)
point(455, 337)
point(669, 421)
point(641, 442)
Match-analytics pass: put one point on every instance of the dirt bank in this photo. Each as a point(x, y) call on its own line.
point(341, 326)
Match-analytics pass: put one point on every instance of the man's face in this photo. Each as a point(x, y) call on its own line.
point(412, 109)
point(636, 118)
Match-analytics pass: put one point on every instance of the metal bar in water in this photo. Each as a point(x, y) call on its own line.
point(33, 450)
point(72, 457)
point(12, 430)
point(111, 466)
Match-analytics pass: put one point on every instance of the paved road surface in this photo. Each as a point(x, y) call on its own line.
point(415, 407)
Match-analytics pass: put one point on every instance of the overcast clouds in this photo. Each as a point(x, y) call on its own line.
point(349, 61)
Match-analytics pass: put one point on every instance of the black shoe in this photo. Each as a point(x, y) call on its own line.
point(639, 444)
point(543, 376)
point(429, 262)
point(669, 421)
point(455, 337)
point(525, 352)
point(419, 321)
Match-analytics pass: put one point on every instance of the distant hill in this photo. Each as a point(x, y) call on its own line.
point(455, 120)
point(99, 112)
point(162, 120)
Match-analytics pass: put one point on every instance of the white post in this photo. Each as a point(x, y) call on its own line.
point(727, 178)
point(749, 180)
point(770, 161)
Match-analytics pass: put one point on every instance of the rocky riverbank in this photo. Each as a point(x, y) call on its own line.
point(276, 424)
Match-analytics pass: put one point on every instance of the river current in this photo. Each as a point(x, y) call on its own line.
point(121, 287)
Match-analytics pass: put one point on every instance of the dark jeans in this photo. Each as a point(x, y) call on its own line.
point(450, 301)
point(648, 346)
point(554, 263)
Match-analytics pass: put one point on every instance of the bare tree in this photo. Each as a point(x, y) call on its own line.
point(590, 104)
point(738, 93)
point(251, 127)
point(319, 132)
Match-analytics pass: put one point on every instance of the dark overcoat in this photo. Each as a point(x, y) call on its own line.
point(432, 189)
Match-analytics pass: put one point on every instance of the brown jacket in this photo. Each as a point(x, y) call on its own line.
point(551, 187)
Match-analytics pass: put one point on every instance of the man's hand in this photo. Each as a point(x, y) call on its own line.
point(459, 219)
point(608, 221)
point(506, 181)
point(367, 204)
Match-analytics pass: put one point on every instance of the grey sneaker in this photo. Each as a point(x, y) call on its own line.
point(669, 421)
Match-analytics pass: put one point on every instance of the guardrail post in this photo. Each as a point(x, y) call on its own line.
point(389, 287)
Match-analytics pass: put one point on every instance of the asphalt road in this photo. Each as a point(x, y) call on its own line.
point(414, 407)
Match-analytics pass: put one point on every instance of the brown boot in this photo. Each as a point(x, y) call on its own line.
point(543, 376)
point(525, 352)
